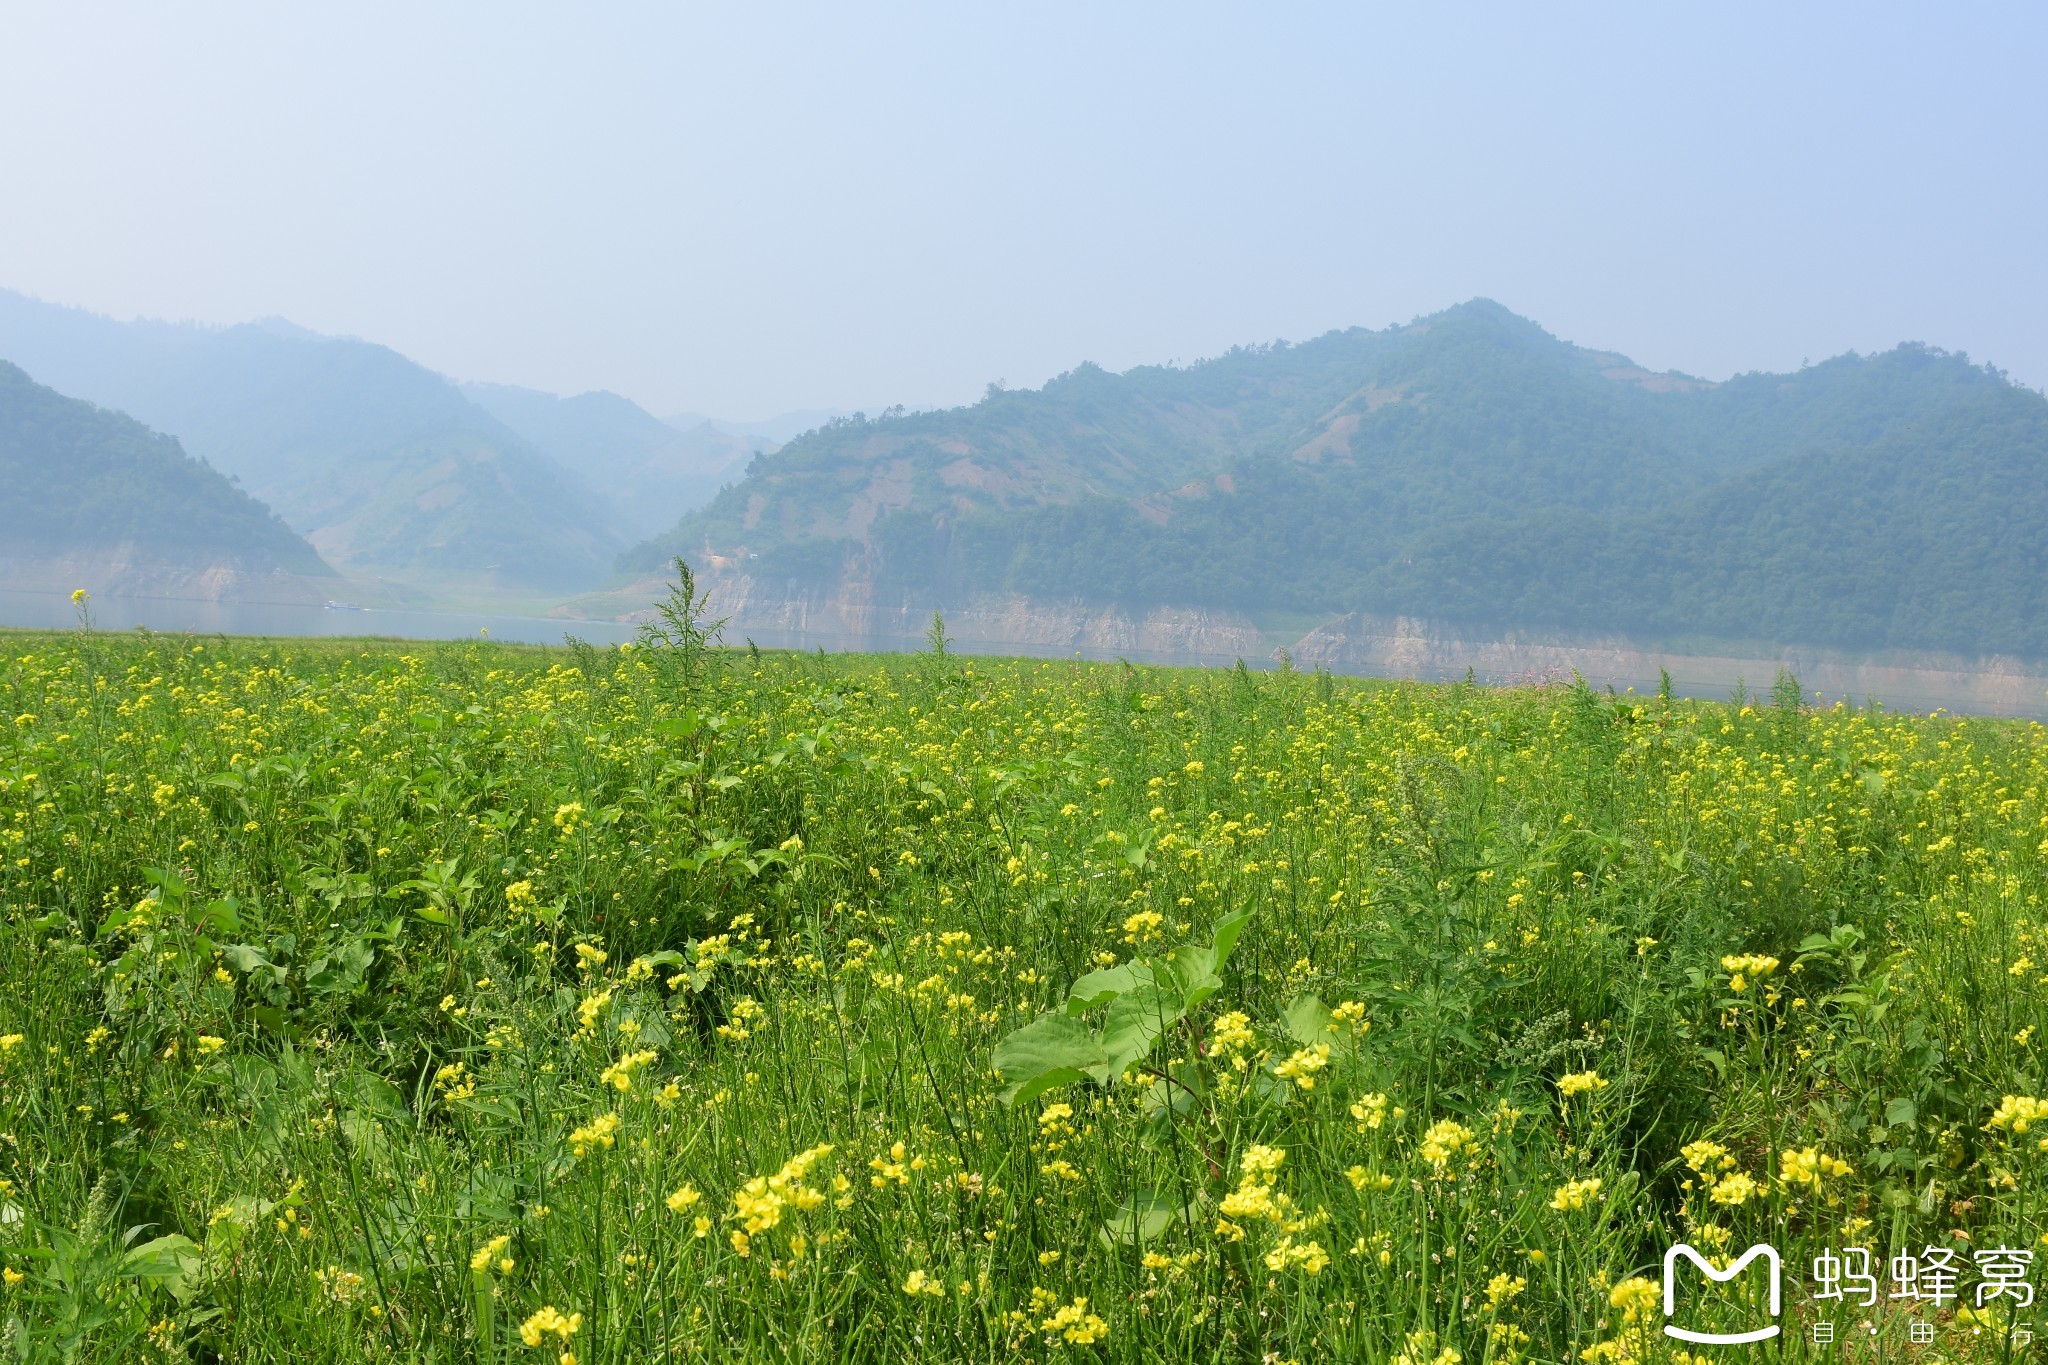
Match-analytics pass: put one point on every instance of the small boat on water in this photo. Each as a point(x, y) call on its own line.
point(345, 606)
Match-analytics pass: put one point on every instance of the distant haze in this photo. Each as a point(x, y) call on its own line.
point(750, 210)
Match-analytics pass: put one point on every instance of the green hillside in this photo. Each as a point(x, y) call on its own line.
point(76, 480)
point(1933, 537)
point(380, 463)
point(1404, 471)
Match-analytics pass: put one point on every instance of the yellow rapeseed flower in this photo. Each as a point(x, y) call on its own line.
point(1075, 1325)
point(489, 1252)
point(1231, 1033)
point(1707, 1157)
point(1636, 1297)
point(1444, 1140)
point(760, 1203)
point(591, 1006)
point(1574, 1195)
point(1143, 926)
point(1370, 1111)
point(2016, 1113)
point(1301, 1068)
point(599, 1132)
point(1807, 1166)
point(1580, 1082)
point(1736, 1189)
point(619, 1075)
point(1741, 966)
point(1421, 1349)
point(550, 1319)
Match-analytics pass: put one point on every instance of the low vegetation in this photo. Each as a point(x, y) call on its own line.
point(472, 1002)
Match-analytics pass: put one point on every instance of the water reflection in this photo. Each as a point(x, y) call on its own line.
point(1899, 686)
point(185, 616)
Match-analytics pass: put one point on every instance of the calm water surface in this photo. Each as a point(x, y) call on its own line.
point(184, 616)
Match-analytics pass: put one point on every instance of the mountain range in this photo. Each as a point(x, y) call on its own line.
point(1468, 466)
point(386, 467)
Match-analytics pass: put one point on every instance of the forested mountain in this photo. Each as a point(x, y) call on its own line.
point(647, 470)
point(1468, 466)
point(1934, 536)
point(380, 463)
point(83, 485)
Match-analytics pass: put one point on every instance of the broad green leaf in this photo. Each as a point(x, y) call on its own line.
point(1308, 1021)
point(679, 727)
point(1163, 1098)
point(1136, 1021)
point(1054, 1049)
point(173, 885)
point(341, 971)
point(244, 957)
point(1901, 1112)
point(1143, 1216)
point(1267, 1087)
point(1099, 988)
point(1191, 967)
point(173, 1261)
point(223, 914)
point(1198, 967)
point(1224, 936)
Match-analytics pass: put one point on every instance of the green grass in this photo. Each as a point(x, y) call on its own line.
point(365, 1000)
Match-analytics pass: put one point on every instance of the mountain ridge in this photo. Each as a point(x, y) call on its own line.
point(381, 463)
point(1306, 477)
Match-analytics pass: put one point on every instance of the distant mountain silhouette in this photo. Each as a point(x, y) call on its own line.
point(647, 470)
point(380, 463)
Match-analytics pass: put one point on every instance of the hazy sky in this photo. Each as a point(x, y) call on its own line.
point(748, 208)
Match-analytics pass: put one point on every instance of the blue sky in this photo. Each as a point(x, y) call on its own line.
point(744, 209)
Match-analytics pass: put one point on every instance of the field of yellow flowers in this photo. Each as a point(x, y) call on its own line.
point(476, 1002)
